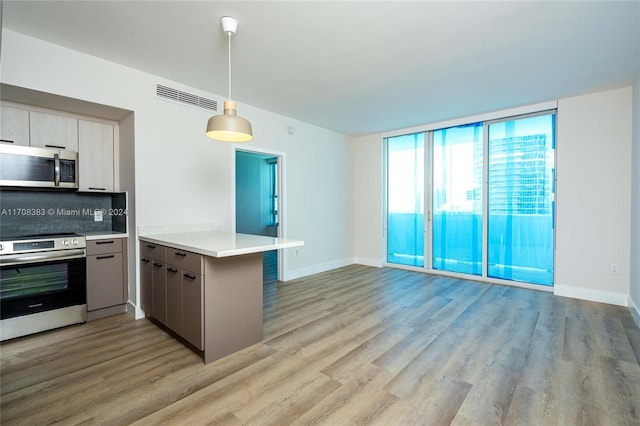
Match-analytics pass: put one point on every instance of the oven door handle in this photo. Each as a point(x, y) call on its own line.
point(23, 259)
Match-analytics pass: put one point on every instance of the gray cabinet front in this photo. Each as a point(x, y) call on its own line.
point(192, 309)
point(172, 289)
point(174, 299)
point(153, 286)
point(159, 290)
point(106, 274)
point(146, 301)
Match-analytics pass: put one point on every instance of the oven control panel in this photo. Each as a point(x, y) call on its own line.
point(33, 245)
point(49, 243)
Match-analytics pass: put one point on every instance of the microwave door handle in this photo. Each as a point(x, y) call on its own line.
point(56, 170)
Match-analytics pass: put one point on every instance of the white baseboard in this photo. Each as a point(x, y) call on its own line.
point(136, 311)
point(592, 295)
point(316, 269)
point(635, 311)
point(375, 263)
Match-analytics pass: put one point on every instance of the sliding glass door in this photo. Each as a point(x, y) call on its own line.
point(521, 199)
point(484, 207)
point(457, 199)
point(405, 200)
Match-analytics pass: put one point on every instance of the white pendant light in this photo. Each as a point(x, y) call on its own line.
point(228, 127)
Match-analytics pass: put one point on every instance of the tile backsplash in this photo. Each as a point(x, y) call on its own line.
point(44, 212)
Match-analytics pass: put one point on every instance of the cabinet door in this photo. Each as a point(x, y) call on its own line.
point(146, 287)
point(95, 156)
point(104, 281)
point(192, 308)
point(159, 292)
point(14, 125)
point(174, 299)
point(53, 131)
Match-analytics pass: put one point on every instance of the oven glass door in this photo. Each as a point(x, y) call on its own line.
point(42, 286)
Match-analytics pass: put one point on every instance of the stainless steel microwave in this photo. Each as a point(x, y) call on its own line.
point(30, 167)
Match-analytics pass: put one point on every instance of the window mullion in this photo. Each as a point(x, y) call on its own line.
point(485, 199)
point(428, 200)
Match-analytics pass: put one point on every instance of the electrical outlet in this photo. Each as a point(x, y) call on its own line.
point(615, 268)
point(97, 215)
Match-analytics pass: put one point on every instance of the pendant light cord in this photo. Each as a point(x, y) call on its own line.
point(229, 35)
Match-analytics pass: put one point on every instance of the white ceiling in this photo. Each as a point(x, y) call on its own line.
point(358, 67)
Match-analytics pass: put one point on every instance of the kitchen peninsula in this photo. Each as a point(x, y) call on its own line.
point(206, 286)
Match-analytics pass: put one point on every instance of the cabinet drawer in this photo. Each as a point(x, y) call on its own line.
point(185, 259)
point(152, 250)
point(113, 245)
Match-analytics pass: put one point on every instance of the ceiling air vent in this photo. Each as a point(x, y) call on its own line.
point(185, 98)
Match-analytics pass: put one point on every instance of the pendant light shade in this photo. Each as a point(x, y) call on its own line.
point(228, 127)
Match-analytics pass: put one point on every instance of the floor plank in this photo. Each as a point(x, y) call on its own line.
point(356, 345)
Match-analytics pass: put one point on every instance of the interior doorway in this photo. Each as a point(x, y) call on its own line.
point(258, 185)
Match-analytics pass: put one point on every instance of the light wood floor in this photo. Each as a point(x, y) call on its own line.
point(357, 345)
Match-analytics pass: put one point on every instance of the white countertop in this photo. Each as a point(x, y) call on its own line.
point(103, 234)
point(220, 244)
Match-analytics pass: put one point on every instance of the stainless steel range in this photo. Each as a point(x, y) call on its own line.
point(42, 283)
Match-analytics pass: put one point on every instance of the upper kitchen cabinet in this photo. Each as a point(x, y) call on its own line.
point(96, 140)
point(14, 125)
point(96, 159)
point(53, 131)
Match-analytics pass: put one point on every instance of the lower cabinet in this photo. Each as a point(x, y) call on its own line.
point(106, 276)
point(174, 299)
point(192, 313)
point(170, 293)
point(146, 293)
point(159, 290)
point(152, 258)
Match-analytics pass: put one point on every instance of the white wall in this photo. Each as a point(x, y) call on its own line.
point(126, 158)
point(593, 198)
point(181, 176)
point(634, 297)
point(368, 181)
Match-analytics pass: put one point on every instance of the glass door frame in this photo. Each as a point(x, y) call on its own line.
point(428, 176)
point(428, 201)
point(485, 214)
